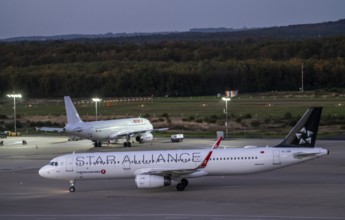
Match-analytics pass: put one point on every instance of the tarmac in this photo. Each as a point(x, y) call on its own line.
point(311, 190)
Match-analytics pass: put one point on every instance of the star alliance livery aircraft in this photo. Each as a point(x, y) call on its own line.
point(152, 169)
point(99, 131)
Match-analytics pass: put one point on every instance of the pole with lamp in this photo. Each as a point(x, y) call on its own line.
point(14, 96)
point(226, 99)
point(96, 100)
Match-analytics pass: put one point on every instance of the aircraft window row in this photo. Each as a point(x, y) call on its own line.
point(235, 158)
point(168, 161)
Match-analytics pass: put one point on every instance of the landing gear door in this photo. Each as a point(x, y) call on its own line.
point(69, 164)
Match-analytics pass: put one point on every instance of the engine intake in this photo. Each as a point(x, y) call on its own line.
point(146, 137)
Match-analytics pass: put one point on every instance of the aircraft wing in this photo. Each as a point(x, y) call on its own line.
point(172, 172)
point(131, 133)
point(50, 129)
point(165, 171)
point(159, 129)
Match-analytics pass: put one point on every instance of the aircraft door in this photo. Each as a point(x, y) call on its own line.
point(276, 157)
point(69, 164)
point(90, 131)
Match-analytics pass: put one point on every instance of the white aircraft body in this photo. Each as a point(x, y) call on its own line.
point(99, 131)
point(152, 169)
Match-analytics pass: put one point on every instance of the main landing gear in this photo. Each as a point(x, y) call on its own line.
point(182, 185)
point(127, 143)
point(97, 143)
point(72, 187)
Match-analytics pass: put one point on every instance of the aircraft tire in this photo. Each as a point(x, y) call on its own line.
point(184, 182)
point(72, 189)
point(124, 144)
point(180, 187)
point(129, 144)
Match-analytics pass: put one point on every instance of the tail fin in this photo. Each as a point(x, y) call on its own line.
point(72, 114)
point(305, 131)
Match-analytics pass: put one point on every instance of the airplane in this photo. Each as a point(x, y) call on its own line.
point(99, 131)
point(152, 169)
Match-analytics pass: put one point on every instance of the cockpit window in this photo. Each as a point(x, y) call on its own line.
point(53, 163)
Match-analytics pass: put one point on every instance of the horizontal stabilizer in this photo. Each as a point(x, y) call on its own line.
point(50, 129)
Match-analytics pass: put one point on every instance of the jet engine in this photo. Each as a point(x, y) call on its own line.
point(146, 137)
point(151, 181)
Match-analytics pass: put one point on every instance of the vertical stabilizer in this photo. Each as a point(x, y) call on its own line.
point(305, 131)
point(71, 112)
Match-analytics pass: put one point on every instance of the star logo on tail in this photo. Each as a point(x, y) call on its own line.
point(304, 136)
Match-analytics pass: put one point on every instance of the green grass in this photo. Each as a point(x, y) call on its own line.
point(260, 106)
point(272, 106)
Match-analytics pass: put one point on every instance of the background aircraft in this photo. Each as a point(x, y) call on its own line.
point(153, 169)
point(99, 131)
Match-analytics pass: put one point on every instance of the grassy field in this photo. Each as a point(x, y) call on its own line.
point(271, 111)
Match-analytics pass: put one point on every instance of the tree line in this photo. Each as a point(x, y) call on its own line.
point(175, 68)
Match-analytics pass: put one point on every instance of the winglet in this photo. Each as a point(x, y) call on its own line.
point(208, 156)
point(216, 145)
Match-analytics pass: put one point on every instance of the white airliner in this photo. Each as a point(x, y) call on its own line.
point(153, 169)
point(99, 131)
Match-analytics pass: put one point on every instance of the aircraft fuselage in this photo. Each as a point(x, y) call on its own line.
point(104, 130)
point(130, 164)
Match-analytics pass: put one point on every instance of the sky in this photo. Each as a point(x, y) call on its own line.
point(57, 17)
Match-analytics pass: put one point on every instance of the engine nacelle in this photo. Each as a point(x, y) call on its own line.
point(146, 137)
point(151, 181)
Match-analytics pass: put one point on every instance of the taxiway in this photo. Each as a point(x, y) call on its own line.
point(312, 190)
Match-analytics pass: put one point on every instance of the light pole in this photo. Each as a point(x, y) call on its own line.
point(96, 100)
point(226, 99)
point(14, 96)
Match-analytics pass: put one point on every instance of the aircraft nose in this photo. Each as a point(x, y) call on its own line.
point(44, 172)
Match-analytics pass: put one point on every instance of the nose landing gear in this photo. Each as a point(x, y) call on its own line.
point(72, 187)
